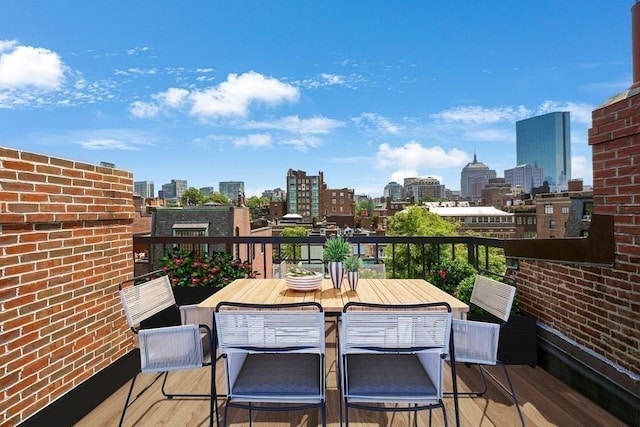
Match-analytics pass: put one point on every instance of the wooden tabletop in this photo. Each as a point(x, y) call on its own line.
point(381, 291)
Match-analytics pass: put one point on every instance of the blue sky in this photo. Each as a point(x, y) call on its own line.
point(365, 91)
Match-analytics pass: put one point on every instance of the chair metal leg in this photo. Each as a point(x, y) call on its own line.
point(126, 403)
point(226, 415)
point(323, 411)
point(513, 393)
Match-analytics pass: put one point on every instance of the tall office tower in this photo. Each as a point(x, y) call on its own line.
point(473, 178)
point(175, 189)
point(545, 142)
point(275, 195)
point(393, 190)
point(525, 177)
point(231, 189)
point(144, 188)
point(303, 194)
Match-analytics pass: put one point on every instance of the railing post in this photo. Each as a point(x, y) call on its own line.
point(471, 254)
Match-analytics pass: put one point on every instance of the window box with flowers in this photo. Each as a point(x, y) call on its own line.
point(196, 276)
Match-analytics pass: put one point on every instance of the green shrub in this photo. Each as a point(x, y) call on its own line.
point(448, 274)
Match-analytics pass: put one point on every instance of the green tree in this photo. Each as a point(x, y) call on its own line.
point(292, 251)
point(258, 207)
point(417, 221)
point(191, 197)
point(218, 198)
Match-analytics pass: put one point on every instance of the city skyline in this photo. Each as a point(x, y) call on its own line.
point(367, 92)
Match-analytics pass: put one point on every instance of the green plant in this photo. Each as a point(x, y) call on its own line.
point(297, 271)
point(336, 249)
point(353, 263)
point(193, 269)
point(448, 274)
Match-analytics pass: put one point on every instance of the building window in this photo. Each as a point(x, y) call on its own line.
point(552, 224)
point(191, 230)
point(548, 208)
point(333, 201)
point(565, 209)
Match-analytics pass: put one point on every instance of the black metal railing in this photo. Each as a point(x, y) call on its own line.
point(269, 250)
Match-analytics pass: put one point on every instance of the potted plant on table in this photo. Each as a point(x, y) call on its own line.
point(353, 265)
point(336, 250)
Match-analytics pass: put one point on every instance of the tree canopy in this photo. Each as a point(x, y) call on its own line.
point(191, 197)
point(291, 251)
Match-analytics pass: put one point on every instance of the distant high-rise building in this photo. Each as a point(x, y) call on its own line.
point(275, 195)
point(303, 194)
point(474, 177)
point(231, 189)
point(393, 190)
point(421, 188)
point(207, 191)
point(545, 142)
point(175, 189)
point(524, 176)
point(144, 189)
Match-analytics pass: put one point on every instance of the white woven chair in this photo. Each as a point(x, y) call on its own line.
point(395, 354)
point(272, 354)
point(172, 348)
point(477, 342)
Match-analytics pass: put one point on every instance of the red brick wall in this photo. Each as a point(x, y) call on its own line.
point(596, 306)
point(65, 244)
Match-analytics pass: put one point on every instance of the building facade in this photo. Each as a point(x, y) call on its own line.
point(473, 178)
point(304, 193)
point(144, 189)
point(419, 189)
point(545, 142)
point(525, 176)
point(337, 201)
point(393, 191)
point(230, 189)
point(175, 189)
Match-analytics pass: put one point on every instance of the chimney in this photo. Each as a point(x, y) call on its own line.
point(635, 43)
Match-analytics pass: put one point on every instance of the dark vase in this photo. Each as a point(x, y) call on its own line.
point(183, 296)
point(517, 344)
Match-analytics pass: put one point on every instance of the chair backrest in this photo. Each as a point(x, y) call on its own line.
point(295, 327)
point(493, 296)
point(146, 299)
point(373, 328)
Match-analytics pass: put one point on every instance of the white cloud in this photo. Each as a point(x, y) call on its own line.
point(401, 174)
point(481, 115)
point(303, 144)
point(26, 66)
point(143, 110)
point(255, 140)
point(413, 155)
point(137, 50)
point(173, 97)
point(378, 122)
point(234, 96)
point(294, 124)
point(580, 112)
point(106, 144)
point(7, 45)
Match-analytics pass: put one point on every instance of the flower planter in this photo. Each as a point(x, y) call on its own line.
point(517, 344)
point(336, 272)
point(183, 296)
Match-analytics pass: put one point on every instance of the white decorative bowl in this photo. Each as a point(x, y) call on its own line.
point(304, 283)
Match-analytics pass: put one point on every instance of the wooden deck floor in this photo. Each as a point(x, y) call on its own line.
point(544, 401)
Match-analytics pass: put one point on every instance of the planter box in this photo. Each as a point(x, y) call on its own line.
point(518, 339)
point(184, 296)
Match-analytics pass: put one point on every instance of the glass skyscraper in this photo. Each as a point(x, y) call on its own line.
point(545, 142)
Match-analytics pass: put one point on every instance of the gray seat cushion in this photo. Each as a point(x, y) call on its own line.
point(279, 374)
point(387, 374)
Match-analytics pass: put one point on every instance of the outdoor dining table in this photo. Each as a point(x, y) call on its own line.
point(332, 300)
point(380, 291)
